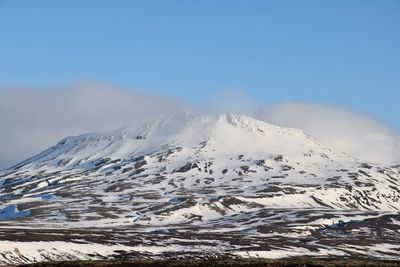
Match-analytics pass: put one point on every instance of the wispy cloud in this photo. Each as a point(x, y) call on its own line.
point(341, 129)
point(34, 118)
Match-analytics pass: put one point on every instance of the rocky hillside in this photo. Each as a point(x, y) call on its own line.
point(193, 171)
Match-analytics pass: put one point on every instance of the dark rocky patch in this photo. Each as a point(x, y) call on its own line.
point(286, 168)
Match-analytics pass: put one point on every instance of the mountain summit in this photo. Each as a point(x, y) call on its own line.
point(226, 134)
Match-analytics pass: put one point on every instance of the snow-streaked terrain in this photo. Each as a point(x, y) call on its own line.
point(227, 184)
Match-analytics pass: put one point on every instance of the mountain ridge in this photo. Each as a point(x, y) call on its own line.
point(141, 130)
point(226, 151)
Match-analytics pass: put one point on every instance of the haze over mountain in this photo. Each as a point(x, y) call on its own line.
point(34, 118)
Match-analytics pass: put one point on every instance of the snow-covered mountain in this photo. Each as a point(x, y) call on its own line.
point(192, 171)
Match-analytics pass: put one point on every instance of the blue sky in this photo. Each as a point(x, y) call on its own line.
point(342, 52)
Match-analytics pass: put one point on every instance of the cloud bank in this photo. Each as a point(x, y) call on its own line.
point(340, 129)
point(32, 119)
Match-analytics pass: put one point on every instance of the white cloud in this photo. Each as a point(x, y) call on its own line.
point(33, 119)
point(340, 129)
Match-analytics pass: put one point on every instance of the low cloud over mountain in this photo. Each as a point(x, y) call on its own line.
point(33, 118)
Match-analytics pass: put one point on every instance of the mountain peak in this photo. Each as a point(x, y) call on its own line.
point(224, 134)
point(182, 123)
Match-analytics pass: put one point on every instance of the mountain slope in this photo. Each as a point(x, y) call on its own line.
point(199, 163)
point(227, 173)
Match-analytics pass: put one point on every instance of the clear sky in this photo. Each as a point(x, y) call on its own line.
point(342, 52)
